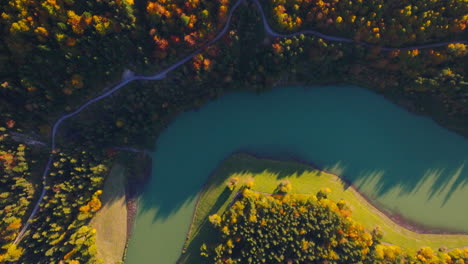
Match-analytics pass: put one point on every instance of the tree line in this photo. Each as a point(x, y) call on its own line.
point(300, 228)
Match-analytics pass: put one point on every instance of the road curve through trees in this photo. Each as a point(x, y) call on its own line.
point(162, 75)
point(273, 33)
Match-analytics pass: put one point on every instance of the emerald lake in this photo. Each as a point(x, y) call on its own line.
point(404, 163)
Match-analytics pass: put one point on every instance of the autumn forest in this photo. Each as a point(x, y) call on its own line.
point(57, 54)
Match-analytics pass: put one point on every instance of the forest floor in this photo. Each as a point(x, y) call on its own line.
point(111, 220)
point(215, 198)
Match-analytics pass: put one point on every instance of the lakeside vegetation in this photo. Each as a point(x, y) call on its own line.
point(287, 228)
point(16, 192)
point(261, 177)
point(55, 54)
point(60, 231)
point(110, 221)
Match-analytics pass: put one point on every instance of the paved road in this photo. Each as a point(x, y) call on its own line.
point(273, 33)
point(162, 75)
point(158, 76)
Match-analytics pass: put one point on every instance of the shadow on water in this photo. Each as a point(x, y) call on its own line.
point(327, 127)
point(406, 163)
point(236, 164)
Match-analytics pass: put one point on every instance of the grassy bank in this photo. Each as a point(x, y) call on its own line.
point(111, 220)
point(215, 197)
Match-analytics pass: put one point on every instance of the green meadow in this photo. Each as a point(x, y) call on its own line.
point(305, 180)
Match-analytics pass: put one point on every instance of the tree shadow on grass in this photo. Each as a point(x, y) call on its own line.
point(223, 198)
point(242, 165)
point(221, 201)
point(385, 145)
point(205, 233)
point(238, 164)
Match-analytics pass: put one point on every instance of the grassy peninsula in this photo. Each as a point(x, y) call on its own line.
point(264, 175)
point(55, 55)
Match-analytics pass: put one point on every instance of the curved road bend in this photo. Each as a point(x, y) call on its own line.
point(273, 33)
point(162, 75)
point(158, 76)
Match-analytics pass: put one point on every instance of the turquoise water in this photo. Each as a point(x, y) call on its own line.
point(405, 163)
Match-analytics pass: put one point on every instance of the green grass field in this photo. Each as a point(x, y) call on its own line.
point(215, 197)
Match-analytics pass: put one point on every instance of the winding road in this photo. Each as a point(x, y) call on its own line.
point(162, 75)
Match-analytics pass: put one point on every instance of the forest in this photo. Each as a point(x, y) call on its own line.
point(302, 228)
point(91, 43)
point(60, 231)
point(56, 54)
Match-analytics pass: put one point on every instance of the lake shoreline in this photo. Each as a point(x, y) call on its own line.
point(398, 99)
point(194, 107)
point(133, 189)
point(260, 159)
point(397, 218)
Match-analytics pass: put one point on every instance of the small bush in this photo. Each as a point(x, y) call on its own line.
point(284, 187)
point(232, 183)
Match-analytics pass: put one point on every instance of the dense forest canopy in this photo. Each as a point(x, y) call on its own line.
point(394, 23)
point(290, 229)
point(56, 54)
point(60, 231)
point(301, 228)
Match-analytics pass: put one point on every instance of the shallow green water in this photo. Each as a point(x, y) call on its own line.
point(403, 162)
